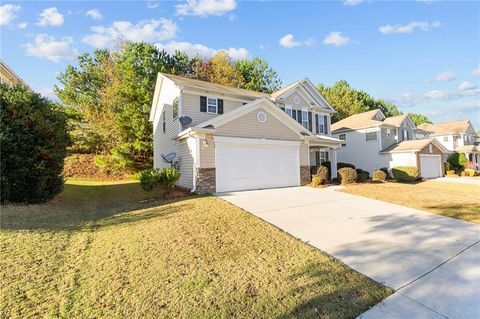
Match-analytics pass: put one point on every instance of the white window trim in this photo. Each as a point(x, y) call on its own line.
point(216, 105)
point(287, 109)
point(321, 123)
point(389, 133)
point(305, 118)
point(376, 136)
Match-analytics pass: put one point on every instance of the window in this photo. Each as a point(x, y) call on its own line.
point(445, 138)
point(212, 105)
point(164, 124)
point(343, 137)
point(389, 133)
point(371, 136)
point(175, 108)
point(430, 148)
point(320, 157)
point(288, 110)
point(305, 118)
point(321, 124)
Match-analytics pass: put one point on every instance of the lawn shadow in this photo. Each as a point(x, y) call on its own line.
point(86, 207)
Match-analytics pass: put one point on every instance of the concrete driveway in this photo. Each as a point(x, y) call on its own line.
point(431, 261)
point(461, 180)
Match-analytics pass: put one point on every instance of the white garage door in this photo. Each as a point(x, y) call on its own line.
point(430, 166)
point(243, 164)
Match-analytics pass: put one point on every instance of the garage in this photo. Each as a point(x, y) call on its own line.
point(244, 164)
point(430, 166)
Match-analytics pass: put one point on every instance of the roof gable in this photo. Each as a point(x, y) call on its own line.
point(360, 120)
point(413, 146)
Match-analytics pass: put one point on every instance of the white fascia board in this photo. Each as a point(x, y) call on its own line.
point(219, 93)
point(156, 96)
point(254, 141)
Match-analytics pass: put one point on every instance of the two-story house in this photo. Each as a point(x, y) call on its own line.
point(456, 136)
point(227, 139)
point(371, 141)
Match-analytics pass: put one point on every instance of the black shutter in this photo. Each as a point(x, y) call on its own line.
point(220, 106)
point(283, 109)
point(294, 114)
point(299, 116)
point(310, 121)
point(316, 123)
point(203, 104)
point(325, 123)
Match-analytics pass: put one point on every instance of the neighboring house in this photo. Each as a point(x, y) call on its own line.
point(371, 141)
point(456, 136)
point(8, 76)
point(228, 139)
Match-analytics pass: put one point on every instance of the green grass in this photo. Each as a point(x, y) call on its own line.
point(113, 251)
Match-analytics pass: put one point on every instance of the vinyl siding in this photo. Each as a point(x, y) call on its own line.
point(207, 153)
point(191, 107)
point(304, 154)
point(289, 101)
point(361, 153)
point(386, 142)
point(248, 126)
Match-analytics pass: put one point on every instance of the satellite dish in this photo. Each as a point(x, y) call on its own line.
point(169, 157)
point(185, 120)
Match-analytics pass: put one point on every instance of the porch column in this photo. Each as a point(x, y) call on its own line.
point(333, 162)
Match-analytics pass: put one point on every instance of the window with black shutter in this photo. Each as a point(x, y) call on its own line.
point(325, 123)
point(220, 106)
point(310, 121)
point(299, 116)
point(316, 124)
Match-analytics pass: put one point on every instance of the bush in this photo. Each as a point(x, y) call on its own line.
point(342, 165)
point(457, 160)
point(469, 172)
point(34, 141)
point(447, 166)
point(385, 170)
point(315, 180)
point(85, 166)
point(451, 173)
point(379, 176)
point(348, 175)
point(164, 178)
point(336, 180)
point(462, 173)
point(322, 173)
point(363, 176)
point(405, 174)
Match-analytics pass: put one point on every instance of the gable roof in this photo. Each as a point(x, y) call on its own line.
point(369, 119)
point(458, 127)
point(209, 86)
point(396, 120)
point(413, 146)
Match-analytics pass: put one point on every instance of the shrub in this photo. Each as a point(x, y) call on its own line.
point(164, 178)
point(405, 174)
point(336, 180)
point(477, 173)
point(457, 160)
point(363, 176)
point(348, 175)
point(34, 141)
point(385, 170)
point(322, 173)
point(447, 166)
point(328, 165)
point(462, 173)
point(469, 172)
point(451, 173)
point(379, 176)
point(342, 165)
point(316, 180)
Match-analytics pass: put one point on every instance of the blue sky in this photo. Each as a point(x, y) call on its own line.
point(422, 55)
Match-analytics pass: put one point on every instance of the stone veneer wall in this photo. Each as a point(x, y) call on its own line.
point(205, 180)
point(305, 175)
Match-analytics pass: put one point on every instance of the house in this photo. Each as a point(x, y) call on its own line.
point(8, 76)
point(227, 139)
point(371, 141)
point(456, 136)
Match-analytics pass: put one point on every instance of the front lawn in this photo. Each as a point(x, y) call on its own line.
point(113, 251)
point(450, 199)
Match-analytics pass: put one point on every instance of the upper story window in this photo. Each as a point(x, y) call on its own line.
point(321, 124)
point(445, 138)
point(288, 110)
point(175, 108)
point(406, 136)
point(212, 105)
point(371, 136)
point(389, 133)
point(430, 148)
point(164, 124)
point(305, 118)
point(343, 137)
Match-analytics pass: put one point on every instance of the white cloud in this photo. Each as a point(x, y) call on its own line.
point(476, 72)
point(205, 8)
point(443, 77)
point(288, 41)
point(336, 38)
point(465, 86)
point(95, 14)
point(8, 13)
point(48, 47)
point(352, 3)
point(49, 93)
point(410, 27)
point(406, 99)
point(152, 4)
point(22, 25)
point(50, 16)
point(437, 94)
point(202, 50)
point(450, 95)
point(145, 30)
